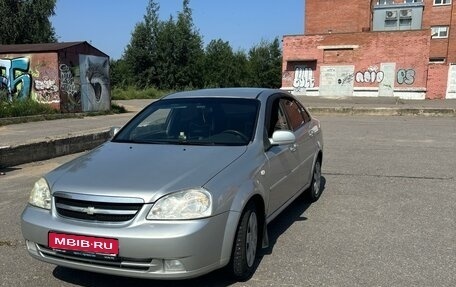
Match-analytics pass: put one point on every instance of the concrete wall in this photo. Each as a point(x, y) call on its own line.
point(451, 85)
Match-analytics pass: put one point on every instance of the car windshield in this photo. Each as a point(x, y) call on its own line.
point(196, 121)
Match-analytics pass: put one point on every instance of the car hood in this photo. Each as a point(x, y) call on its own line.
point(146, 171)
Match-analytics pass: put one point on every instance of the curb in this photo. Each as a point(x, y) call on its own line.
point(383, 111)
point(25, 153)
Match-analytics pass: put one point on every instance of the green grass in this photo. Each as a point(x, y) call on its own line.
point(24, 108)
point(131, 93)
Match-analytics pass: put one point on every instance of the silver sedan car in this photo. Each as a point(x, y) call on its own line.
point(187, 186)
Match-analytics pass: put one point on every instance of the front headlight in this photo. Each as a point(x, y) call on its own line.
point(186, 204)
point(41, 194)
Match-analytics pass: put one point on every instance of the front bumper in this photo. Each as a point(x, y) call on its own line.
point(146, 248)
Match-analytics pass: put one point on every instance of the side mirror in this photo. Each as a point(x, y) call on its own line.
point(113, 131)
point(282, 138)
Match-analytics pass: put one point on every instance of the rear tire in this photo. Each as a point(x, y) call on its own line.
point(246, 245)
point(314, 191)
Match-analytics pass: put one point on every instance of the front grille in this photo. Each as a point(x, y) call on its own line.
point(96, 211)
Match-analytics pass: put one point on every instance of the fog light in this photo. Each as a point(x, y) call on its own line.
point(174, 265)
point(30, 245)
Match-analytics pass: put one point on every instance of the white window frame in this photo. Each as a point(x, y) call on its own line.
point(413, 1)
point(385, 2)
point(437, 30)
point(442, 2)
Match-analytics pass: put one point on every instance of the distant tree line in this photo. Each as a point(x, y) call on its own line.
point(166, 55)
point(169, 55)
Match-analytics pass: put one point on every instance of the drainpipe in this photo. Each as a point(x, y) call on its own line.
point(449, 34)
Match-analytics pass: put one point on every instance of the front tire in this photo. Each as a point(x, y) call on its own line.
point(246, 245)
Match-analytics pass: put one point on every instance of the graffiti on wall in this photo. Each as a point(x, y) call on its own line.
point(303, 79)
point(15, 78)
point(45, 83)
point(374, 75)
point(371, 75)
point(95, 88)
point(20, 81)
point(47, 91)
point(406, 76)
point(80, 87)
point(346, 79)
point(69, 86)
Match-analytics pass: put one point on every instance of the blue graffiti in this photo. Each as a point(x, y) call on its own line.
point(13, 75)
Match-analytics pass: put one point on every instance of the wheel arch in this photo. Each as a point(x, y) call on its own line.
point(233, 222)
point(319, 157)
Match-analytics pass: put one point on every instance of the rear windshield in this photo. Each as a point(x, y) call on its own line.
point(208, 121)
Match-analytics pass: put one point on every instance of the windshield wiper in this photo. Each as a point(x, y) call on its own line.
point(200, 143)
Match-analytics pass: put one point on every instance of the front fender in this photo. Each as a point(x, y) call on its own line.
point(236, 186)
point(244, 193)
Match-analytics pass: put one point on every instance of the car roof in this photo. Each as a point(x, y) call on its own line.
point(244, 93)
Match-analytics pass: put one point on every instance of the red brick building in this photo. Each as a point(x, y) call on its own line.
point(401, 48)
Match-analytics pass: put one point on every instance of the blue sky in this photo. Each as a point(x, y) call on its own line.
point(107, 24)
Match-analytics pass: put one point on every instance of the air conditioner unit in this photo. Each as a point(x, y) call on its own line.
point(391, 15)
point(407, 14)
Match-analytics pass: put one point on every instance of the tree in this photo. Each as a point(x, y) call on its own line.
point(265, 64)
point(118, 73)
point(219, 68)
point(241, 69)
point(165, 54)
point(189, 50)
point(27, 21)
point(141, 53)
point(169, 55)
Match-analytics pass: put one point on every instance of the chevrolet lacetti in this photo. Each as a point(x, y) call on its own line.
point(187, 186)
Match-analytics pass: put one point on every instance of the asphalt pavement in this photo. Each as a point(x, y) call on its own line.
point(35, 141)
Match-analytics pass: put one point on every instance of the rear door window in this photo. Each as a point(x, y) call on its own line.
point(295, 113)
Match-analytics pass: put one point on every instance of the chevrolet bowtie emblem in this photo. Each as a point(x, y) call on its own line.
point(90, 210)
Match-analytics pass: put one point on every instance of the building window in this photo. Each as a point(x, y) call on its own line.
point(405, 22)
point(439, 32)
point(437, 60)
point(413, 1)
point(442, 2)
point(385, 2)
